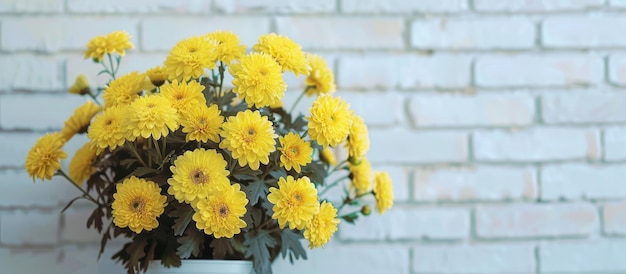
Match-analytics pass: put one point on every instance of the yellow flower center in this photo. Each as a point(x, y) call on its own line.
point(198, 177)
point(138, 205)
point(295, 200)
point(250, 137)
point(222, 210)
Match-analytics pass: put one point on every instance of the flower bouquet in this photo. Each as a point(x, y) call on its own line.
point(188, 168)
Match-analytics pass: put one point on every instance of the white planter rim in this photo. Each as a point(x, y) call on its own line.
point(203, 266)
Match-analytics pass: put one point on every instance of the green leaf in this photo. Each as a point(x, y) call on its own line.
point(143, 171)
point(136, 252)
point(190, 243)
point(277, 173)
point(255, 191)
point(350, 218)
point(95, 220)
point(170, 258)
point(258, 249)
point(183, 214)
point(299, 123)
point(291, 241)
point(315, 171)
point(221, 247)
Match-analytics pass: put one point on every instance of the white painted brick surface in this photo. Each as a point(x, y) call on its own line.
point(370, 33)
point(41, 112)
point(535, 5)
point(405, 146)
point(617, 69)
point(538, 70)
point(15, 147)
point(20, 191)
point(74, 227)
point(429, 223)
point(123, 6)
point(614, 218)
point(584, 107)
point(401, 6)
point(483, 109)
point(583, 257)
point(26, 72)
point(472, 259)
point(30, 228)
point(536, 144)
point(578, 181)
point(617, 3)
point(576, 32)
point(405, 71)
point(473, 33)
point(377, 109)
point(615, 144)
point(528, 220)
point(478, 183)
point(275, 6)
point(31, 6)
point(400, 176)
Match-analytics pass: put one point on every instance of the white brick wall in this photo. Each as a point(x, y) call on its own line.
point(502, 124)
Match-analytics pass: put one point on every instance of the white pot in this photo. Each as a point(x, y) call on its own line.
point(203, 267)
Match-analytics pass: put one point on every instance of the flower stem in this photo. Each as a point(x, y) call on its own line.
point(333, 184)
point(85, 193)
point(111, 63)
point(298, 100)
point(157, 148)
point(132, 149)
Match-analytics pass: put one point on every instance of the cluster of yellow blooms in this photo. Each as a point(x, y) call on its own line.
point(140, 110)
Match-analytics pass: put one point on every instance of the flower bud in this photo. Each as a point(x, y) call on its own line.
point(80, 86)
point(366, 210)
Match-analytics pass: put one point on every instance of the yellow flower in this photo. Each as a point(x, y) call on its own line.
point(228, 47)
point(250, 138)
point(295, 152)
point(79, 121)
point(184, 96)
point(157, 76)
point(258, 80)
point(106, 129)
point(82, 165)
point(190, 57)
point(358, 140)
point(330, 120)
point(320, 79)
point(383, 190)
point(117, 41)
point(220, 214)
point(328, 157)
point(80, 86)
point(286, 52)
point(150, 116)
point(44, 158)
point(361, 176)
point(203, 123)
point(295, 201)
point(196, 173)
point(124, 89)
point(322, 227)
point(137, 203)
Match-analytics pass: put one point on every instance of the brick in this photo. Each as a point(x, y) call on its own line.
point(83, 259)
point(367, 228)
point(405, 71)
point(274, 6)
point(32, 73)
point(20, 191)
point(377, 109)
point(123, 6)
point(471, 259)
point(538, 70)
point(583, 257)
point(36, 228)
point(578, 181)
point(584, 107)
point(615, 144)
point(55, 109)
point(582, 32)
point(535, 5)
point(617, 69)
point(247, 28)
point(614, 218)
point(60, 33)
point(341, 33)
point(15, 147)
point(476, 183)
point(74, 227)
point(445, 33)
point(535, 220)
point(31, 6)
point(400, 6)
point(350, 258)
point(483, 109)
point(389, 146)
point(536, 144)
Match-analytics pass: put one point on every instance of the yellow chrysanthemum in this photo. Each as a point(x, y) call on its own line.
point(258, 80)
point(295, 152)
point(157, 76)
point(124, 89)
point(106, 129)
point(184, 96)
point(137, 203)
point(190, 57)
point(228, 46)
point(196, 173)
point(383, 190)
point(330, 120)
point(250, 138)
point(81, 167)
point(44, 158)
point(322, 227)
point(80, 86)
point(358, 140)
point(150, 116)
point(321, 79)
point(203, 123)
point(79, 121)
point(220, 214)
point(117, 41)
point(295, 201)
point(286, 52)
point(328, 157)
point(361, 176)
